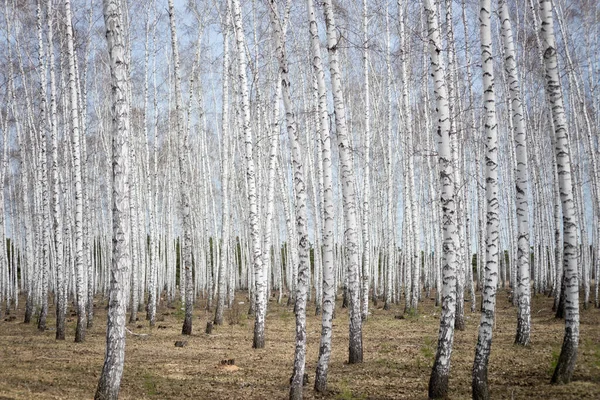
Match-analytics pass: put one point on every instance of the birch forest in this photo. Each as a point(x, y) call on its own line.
point(322, 199)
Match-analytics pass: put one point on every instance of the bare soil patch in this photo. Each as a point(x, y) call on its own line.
point(398, 354)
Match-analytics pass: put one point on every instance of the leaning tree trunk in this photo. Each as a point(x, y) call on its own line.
point(301, 219)
point(438, 381)
point(112, 371)
point(488, 308)
point(568, 355)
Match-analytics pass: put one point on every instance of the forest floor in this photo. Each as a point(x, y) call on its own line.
point(398, 354)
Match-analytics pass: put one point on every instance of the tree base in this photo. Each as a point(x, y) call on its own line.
point(479, 384)
point(80, 331)
point(566, 361)
point(438, 385)
point(259, 341)
point(187, 327)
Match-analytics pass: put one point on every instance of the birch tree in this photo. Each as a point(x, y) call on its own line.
point(260, 283)
point(184, 188)
point(366, 259)
point(328, 301)
point(221, 283)
point(300, 191)
point(112, 370)
point(73, 97)
point(438, 381)
point(43, 172)
point(568, 355)
point(355, 347)
point(522, 187)
point(484, 339)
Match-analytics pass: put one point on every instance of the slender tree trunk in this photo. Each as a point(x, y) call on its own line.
point(153, 197)
point(366, 260)
point(260, 291)
point(221, 283)
point(184, 187)
point(43, 175)
point(79, 267)
point(355, 346)
point(522, 187)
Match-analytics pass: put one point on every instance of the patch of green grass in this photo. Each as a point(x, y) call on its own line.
point(427, 349)
point(285, 315)
point(149, 384)
point(411, 313)
point(346, 394)
point(179, 312)
point(554, 360)
point(427, 353)
point(594, 352)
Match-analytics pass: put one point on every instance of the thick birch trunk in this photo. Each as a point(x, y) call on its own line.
point(488, 308)
point(301, 219)
point(328, 212)
point(112, 371)
point(438, 381)
point(568, 355)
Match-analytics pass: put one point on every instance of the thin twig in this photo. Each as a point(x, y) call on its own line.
point(136, 334)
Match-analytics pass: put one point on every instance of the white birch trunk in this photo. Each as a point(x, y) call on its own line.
point(112, 370)
point(484, 340)
point(355, 347)
point(522, 187)
point(301, 220)
point(260, 292)
point(79, 267)
point(185, 241)
point(568, 355)
point(366, 259)
point(438, 381)
point(328, 212)
point(43, 175)
point(221, 283)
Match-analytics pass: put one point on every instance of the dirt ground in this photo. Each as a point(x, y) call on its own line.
point(398, 354)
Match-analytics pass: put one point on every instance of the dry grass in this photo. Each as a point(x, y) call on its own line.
point(398, 357)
